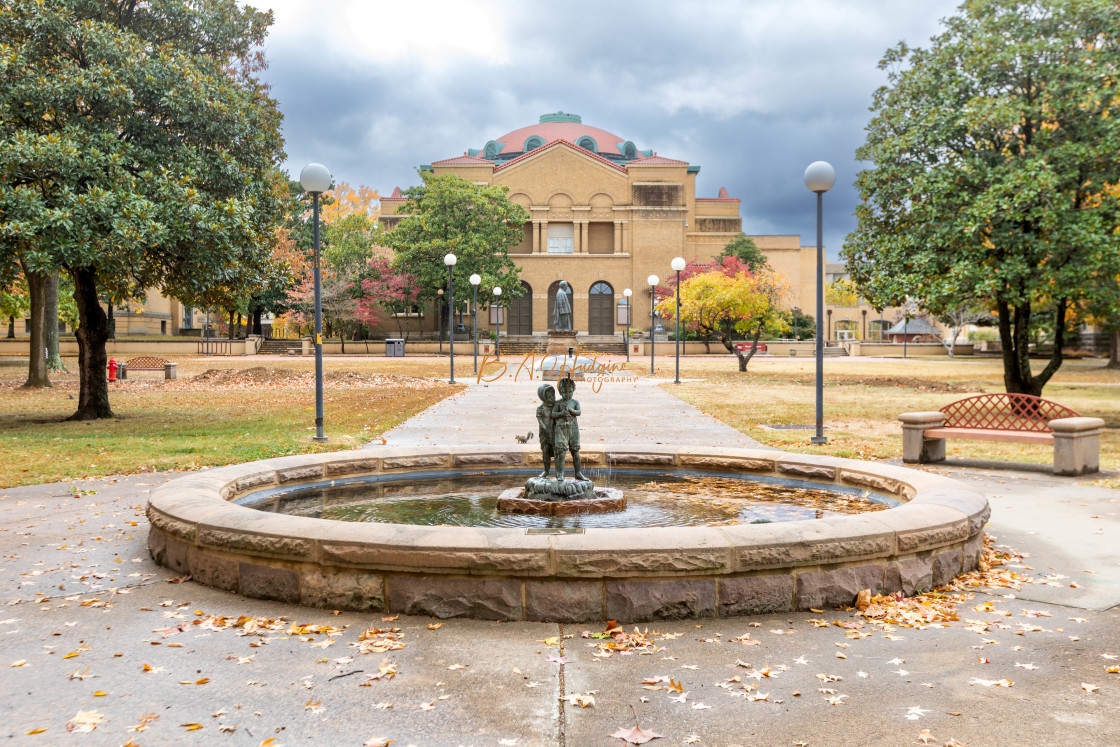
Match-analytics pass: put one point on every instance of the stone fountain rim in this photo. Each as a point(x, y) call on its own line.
point(196, 529)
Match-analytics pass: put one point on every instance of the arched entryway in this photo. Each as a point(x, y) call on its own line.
point(552, 303)
point(521, 312)
point(600, 309)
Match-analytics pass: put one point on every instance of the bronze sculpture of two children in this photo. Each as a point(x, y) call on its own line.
point(559, 428)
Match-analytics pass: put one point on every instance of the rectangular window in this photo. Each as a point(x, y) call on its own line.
point(561, 238)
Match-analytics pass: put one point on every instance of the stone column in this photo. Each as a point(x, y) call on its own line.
point(585, 232)
point(626, 237)
point(536, 237)
point(617, 236)
point(1077, 445)
point(916, 448)
point(577, 236)
point(544, 237)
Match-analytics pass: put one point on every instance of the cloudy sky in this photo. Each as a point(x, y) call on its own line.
point(751, 90)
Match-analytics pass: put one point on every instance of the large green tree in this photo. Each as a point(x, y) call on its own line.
point(992, 153)
point(743, 247)
point(137, 150)
point(449, 215)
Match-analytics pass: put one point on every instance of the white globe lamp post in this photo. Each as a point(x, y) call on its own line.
point(315, 180)
point(819, 178)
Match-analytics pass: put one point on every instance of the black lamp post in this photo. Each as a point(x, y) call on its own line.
point(678, 264)
point(819, 178)
point(450, 260)
point(475, 280)
point(439, 313)
point(626, 294)
point(316, 179)
point(497, 304)
point(653, 280)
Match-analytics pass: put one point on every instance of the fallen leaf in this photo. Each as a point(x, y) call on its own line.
point(84, 722)
point(636, 735)
point(1089, 688)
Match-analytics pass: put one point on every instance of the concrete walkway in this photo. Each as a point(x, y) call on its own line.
point(91, 627)
point(634, 411)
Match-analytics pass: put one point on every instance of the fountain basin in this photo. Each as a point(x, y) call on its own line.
point(518, 574)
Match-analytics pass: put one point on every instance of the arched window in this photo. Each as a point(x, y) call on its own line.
point(533, 142)
point(600, 309)
point(588, 143)
point(629, 150)
point(491, 149)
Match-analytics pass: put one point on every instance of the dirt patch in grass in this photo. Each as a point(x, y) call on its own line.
point(907, 382)
point(264, 377)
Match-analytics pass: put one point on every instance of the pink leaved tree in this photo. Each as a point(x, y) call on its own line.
point(388, 291)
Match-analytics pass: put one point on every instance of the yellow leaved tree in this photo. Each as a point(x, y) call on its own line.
point(728, 302)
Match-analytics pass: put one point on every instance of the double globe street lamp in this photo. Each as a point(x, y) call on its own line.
point(678, 264)
point(819, 178)
point(315, 180)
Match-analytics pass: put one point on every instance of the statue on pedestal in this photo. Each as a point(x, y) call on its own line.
point(562, 315)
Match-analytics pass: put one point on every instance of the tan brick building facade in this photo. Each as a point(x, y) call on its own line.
point(603, 217)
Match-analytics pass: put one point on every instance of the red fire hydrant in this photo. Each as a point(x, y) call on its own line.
point(112, 369)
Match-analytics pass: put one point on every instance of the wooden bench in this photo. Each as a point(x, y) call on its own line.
point(151, 363)
point(1019, 418)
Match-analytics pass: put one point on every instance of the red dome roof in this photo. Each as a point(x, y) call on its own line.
point(560, 126)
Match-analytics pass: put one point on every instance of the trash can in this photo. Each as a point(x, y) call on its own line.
point(394, 347)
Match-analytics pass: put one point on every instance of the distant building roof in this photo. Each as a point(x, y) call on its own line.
point(560, 126)
point(915, 326)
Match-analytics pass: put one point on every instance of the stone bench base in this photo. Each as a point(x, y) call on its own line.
point(1076, 440)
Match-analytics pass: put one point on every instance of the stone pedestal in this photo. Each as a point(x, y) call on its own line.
point(1077, 445)
point(560, 342)
point(916, 448)
point(601, 501)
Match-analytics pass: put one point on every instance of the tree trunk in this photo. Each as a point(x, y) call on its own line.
point(257, 312)
point(1114, 349)
point(111, 322)
point(342, 335)
point(1014, 335)
point(50, 326)
point(92, 332)
point(37, 377)
point(11, 328)
point(229, 330)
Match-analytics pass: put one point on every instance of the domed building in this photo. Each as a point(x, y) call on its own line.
point(604, 215)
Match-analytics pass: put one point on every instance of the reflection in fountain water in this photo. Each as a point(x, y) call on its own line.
point(660, 500)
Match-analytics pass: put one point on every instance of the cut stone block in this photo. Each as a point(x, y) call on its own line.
point(637, 601)
point(755, 595)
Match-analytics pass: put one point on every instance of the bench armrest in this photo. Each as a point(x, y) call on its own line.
point(1076, 425)
point(923, 419)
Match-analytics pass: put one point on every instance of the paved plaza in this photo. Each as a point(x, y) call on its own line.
point(94, 634)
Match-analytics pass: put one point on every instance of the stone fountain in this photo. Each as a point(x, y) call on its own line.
point(553, 493)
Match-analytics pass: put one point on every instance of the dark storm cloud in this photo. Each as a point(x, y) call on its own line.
point(753, 92)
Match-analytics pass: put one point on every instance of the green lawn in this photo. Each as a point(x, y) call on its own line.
point(863, 399)
point(189, 424)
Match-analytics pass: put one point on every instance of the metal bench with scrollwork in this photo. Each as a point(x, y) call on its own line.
point(1020, 418)
point(151, 363)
